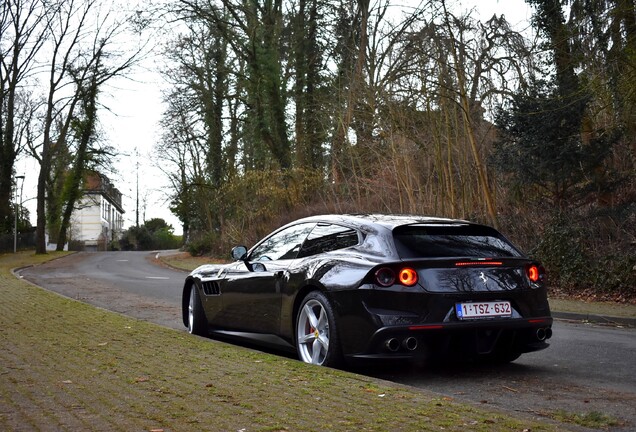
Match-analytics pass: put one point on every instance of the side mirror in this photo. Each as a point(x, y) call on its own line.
point(239, 253)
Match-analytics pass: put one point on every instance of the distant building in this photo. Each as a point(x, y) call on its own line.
point(98, 218)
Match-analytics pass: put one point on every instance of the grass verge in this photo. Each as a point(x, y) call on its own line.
point(611, 309)
point(592, 420)
point(185, 261)
point(65, 365)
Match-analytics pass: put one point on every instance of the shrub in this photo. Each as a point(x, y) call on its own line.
point(587, 253)
point(201, 244)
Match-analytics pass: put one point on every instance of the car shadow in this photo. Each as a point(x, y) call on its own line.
point(405, 372)
point(458, 371)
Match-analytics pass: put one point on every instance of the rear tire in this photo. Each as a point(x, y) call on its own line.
point(197, 322)
point(317, 339)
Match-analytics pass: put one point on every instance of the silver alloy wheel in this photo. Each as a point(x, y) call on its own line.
point(313, 333)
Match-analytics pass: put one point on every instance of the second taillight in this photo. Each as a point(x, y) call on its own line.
point(534, 273)
point(386, 276)
point(408, 277)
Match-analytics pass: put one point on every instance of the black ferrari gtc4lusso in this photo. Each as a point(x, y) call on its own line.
point(346, 287)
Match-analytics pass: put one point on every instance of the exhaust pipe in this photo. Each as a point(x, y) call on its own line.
point(410, 343)
point(548, 333)
point(541, 334)
point(392, 344)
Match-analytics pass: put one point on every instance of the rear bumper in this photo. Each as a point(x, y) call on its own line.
point(463, 340)
point(369, 319)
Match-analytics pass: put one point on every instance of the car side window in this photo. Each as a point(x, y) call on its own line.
point(284, 244)
point(328, 237)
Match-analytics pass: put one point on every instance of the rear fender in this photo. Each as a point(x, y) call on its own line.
point(288, 326)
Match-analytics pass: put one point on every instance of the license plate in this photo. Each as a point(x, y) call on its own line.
point(483, 309)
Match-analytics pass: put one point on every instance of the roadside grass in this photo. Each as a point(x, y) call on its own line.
point(621, 310)
point(185, 261)
point(65, 365)
point(592, 420)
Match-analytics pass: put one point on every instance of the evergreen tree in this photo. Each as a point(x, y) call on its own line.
point(541, 144)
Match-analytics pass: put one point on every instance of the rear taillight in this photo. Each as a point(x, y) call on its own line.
point(386, 276)
point(534, 273)
point(408, 277)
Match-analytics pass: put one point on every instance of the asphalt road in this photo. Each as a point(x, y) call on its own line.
point(131, 283)
point(587, 369)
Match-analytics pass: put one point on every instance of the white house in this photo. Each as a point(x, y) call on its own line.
point(98, 218)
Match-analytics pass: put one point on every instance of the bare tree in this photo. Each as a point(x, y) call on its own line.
point(183, 153)
point(22, 34)
point(80, 32)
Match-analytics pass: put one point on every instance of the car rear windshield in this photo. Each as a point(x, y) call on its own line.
point(425, 241)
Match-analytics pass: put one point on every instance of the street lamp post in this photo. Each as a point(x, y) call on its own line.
point(17, 209)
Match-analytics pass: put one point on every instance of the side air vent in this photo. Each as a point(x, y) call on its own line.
point(211, 288)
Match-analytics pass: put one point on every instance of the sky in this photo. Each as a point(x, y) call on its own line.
point(131, 126)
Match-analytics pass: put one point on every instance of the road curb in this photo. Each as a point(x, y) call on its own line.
point(597, 319)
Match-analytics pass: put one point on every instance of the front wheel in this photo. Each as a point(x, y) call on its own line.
point(316, 332)
point(197, 322)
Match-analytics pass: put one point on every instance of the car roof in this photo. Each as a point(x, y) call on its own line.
point(387, 221)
